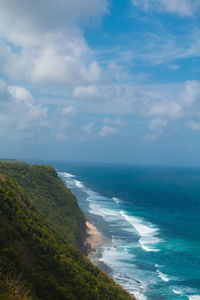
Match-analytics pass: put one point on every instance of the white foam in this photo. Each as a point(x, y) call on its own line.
point(106, 213)
point(118, 257)
point(66, 175)
point(149, 249)
point(162, 276)
point(93, 196)
point(130, 284)
point(139, 296)
point(177, 292)
point(194, 297)
point(97, 203)
point(147, 232)
point(116, 254)
point(79, 184)
point(71, 181)
point(116, 200)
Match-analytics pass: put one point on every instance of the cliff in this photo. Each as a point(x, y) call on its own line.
point(42, 230)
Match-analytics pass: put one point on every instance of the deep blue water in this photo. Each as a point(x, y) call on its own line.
point(151, 216)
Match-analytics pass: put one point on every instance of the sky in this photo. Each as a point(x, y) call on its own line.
point(100, 80)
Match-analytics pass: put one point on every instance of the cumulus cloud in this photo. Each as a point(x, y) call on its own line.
point(163, 105)
point(173, 101)
point(86, 92)
point(116, 122)
point(194, 125)
point(170, 110)
point(191, 92)
point(54, 59)
point(40, 41)
point(160, 105)
point(107, 131)
point(20, 93)
point(183, 8)
point(20, 115)
point(88, 129)
point(48, 15)
point(69, 111)
point(157, 125)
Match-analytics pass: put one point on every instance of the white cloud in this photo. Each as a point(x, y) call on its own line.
point(86, 92)
point(40, 41)
point(191, 92)
point(46, 46)
point(159, 104)
point(170, 101)
point(20, 93)
point(88, 129)
point(54, 59)
point(108, 131)
point(166, 109)
point(164, 104)
point(183, 8)
point(20, 116)
point(26, 23)
point(116, 122)
point(157, 125)
point(194, 125)
point(109, 98)
point(69, 111)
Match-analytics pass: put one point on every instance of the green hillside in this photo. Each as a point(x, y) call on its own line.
point(51, 197)
point(41, 228)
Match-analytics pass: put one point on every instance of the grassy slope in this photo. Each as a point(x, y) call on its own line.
point(46, 255)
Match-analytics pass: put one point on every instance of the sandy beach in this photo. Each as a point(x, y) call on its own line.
point(94, 238)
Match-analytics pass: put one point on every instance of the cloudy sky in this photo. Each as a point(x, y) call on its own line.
point(100, 80)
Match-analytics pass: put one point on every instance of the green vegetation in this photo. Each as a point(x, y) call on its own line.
point(54, 201)
point(13, 289)
point(41, 228)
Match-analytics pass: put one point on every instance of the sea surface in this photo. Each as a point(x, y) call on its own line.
point(150, 217)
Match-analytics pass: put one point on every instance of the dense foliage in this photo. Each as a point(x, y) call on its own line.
point(43, 249)
point(51, 197)
point(13, 288)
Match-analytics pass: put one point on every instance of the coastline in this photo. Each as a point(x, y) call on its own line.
point(98, 240)
point(93, 242)
point(94, 239)
point(128, 238)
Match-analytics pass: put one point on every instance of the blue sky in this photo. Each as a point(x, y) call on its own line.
point(100, 80)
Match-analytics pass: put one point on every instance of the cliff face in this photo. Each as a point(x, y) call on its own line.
point(41, 231)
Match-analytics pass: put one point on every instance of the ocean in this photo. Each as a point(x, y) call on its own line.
point(150, 218)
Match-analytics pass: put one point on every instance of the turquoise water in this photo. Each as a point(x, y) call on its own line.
point(151, 215)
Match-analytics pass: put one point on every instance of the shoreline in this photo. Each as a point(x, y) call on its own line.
point(93, 242)
point(94, 239)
